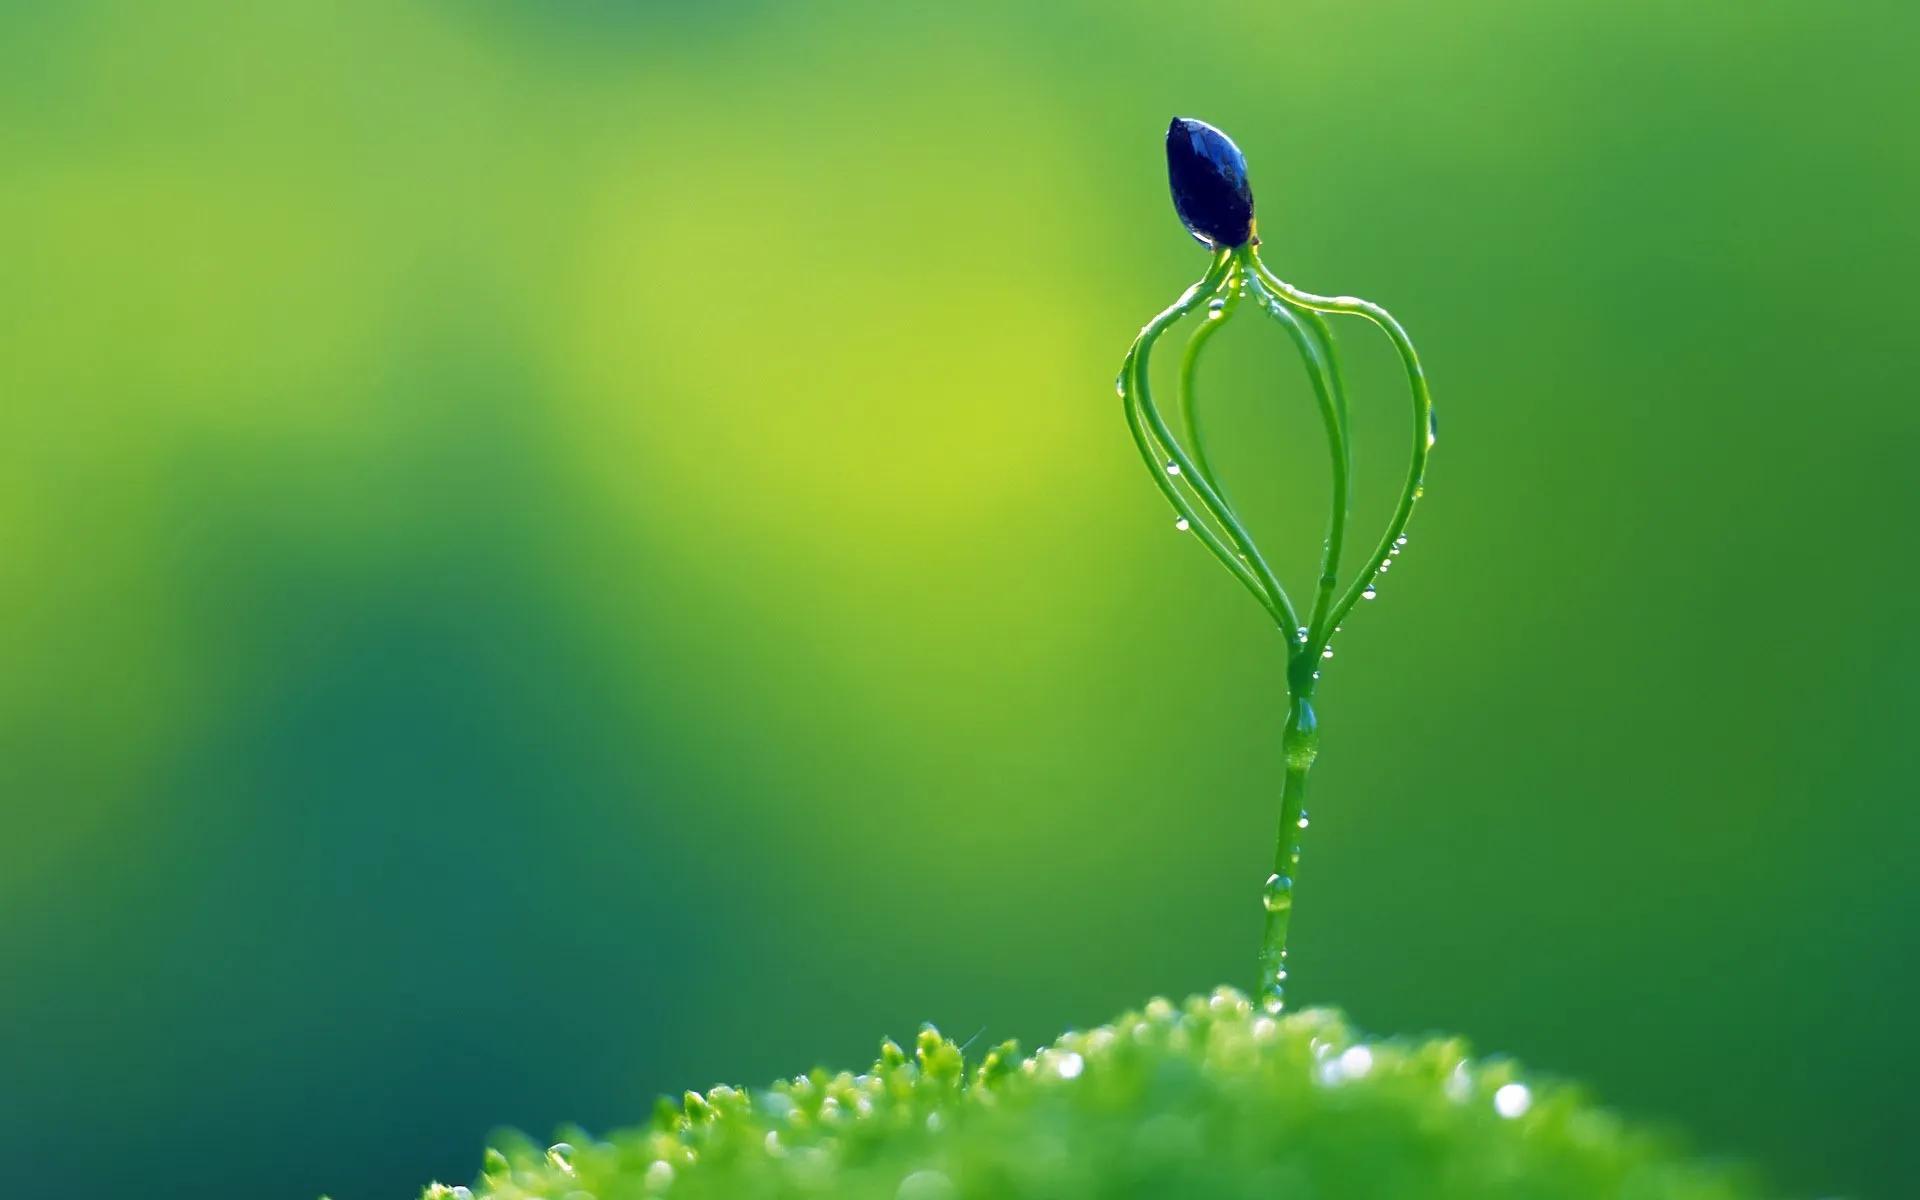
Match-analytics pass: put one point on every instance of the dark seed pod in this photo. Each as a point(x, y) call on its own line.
point(1208, 175)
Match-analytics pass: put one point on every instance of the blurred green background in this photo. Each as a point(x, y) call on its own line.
point(556, 552)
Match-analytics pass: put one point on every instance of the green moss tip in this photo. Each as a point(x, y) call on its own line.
point(1209, 1098)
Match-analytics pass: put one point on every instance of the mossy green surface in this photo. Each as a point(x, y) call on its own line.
point(1211, 1098)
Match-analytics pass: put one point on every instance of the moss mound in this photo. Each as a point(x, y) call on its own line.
point(1207, 1099)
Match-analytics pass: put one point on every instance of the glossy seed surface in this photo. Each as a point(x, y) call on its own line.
point(1208, 177)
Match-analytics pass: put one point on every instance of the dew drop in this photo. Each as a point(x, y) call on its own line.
point(1369, 593)
point(659, 1176)
point(1356, 1061)
point(1303, 819)
point(1401, 540)
point(1173, 468)
point(1513, 1100)
point(1327, 653)
point(1068, 1065)
point(1386, 564)
point(560, 1154)
point(1304, 746)
point(1393, 551)
point(1277, 895)
point(1120, 385)
point(1182, 525)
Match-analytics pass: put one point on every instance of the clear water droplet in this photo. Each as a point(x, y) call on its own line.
point(1182, 525)
point(1068, 1065)
point(1173, 468)
point(560, 1154)
point(1401, 540)
point(1327, 653)
point(1513, 1100)
point(1277, 895)
point(1386, 564)
point(1393, 551)
point(1120, 385)
point(1304, 745)
point(1316, 674)
point(1433, 428)
point(1369, 593)
point(1303, 822)
point(659, 1176)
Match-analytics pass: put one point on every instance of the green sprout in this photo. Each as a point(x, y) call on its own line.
point(1208, 175)
point(1224, 1096)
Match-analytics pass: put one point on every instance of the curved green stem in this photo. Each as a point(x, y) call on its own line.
point(1315, 327)
point(1154, 456)
point(1321, 371)
point(1220, 310)
point(1319, 327)
point(1423, 436)
point(1136, 389)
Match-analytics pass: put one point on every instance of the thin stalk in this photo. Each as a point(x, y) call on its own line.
point(1300, 743)
point(1220, 310)
point(1155, 454)
point(1318, 325)
point(1422, 419)
point(1136, 387)
point(1322, 373)
point(1150, 451)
